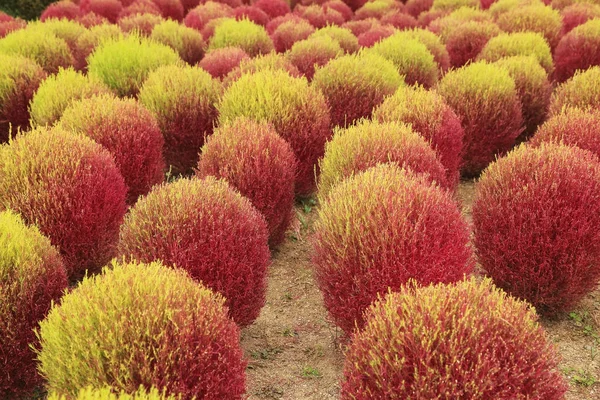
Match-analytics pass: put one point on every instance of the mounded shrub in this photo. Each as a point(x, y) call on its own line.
point(377, 230)
point(429, 116)
point(124, 64)
point(58, 91)
point(20, 77)
point(183, 99)
point(578, 50)
point(562, 4)
point(267, 62)
point(273, 8)
point(345, 38)
point(376, 9)
point(247, 35)
point(452, 5)
point(251, 13)
point(4, 17)
point(376, 34)
point(220, 62)
point(107, 393)
point(109, 9)
point(160, 327)
point(433, 44)
point(518, 44)
point(32, 275)
point(399, 20)
point(255, 160)
point(535, 18)
point(577, 14)
point(140, 7)
point(359, 27)
point(92, 19)
point(199, 16)
point(341, 7)
point(298, 111)
point(464, 339)
point(208, 229)
point(64, 29)
point(273, 24)
point(143, 24)
point(444, 25)
point(44, 48)
point(319, 16)
point(170, 9)
point(368, 143)
point(417, 7)
point(354, 84)
point(499, 7)
point(187, 42)
point(465, 42)
point(290, 32)
point(68, 185)
point(474, 93)
point(11, 26)
point(537, 224)
point(306, 55)
point(92, 38)
point(581, 91)
point(61, 9)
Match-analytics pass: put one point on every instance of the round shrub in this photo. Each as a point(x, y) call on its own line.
point(187, 42)
point(433, 44)
point(359, 27)
point(61, 9)
point(533, 88)
point(199, 16)
point(474, 93)
point(220, 62)
point(290, 32)
point(518, 44)
point(341, 7)
point(399, 20)
point(64, 29)
point(467, 40)
point(251, 13)
point(377, 230)
point(92, 38)
point(464, 340)
point(143, 24)
point(577, 14)
point(345, 38)
point(91, 19)
point(11, 26)
point(58, 91)
point(578, 50)
point(444, 25)
point(429, 116)
point(499, 7)
point(109, 9)
point(581, 91)
point(183, 99)
point(123, 64)
point(247, 35)
point(417, 7)
point(375, 35)
point(537, 224)
point(452, 5)
point(535, 18)
point(170, 9)
point(208, 229)
point(140, 7)
point(273, 8)
point(4, 17)
point(298, 112)
point(368, 143)
point(44, 48)
point(354, 84)
point(128, 131)
point(32, 275)
point(255, 160)
point(69, 186)
point(267, 62)
point(20, 77)
point(375, 9)
point(107, 393)
point(273, 24)
point(319, 16)
point(306, 55)
point(160, 328)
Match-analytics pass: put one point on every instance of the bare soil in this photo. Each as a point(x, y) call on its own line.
point(294, 351)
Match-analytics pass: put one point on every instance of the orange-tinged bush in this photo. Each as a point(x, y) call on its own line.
point(208, 229)
point(11, 26)
point(170, 9)
point(143, 24)
point(452, 5)
point(376, 9)
point(577, 14)
point(187, 42)
point(110, 9)
point(160, 327)
point(463, 340)
point(360, 27)
point(519, 44)
point(69, 186)
point(61, 9)
point(290, 32)
point(92, 19)
point(245, 34)
point(275, 22)
point(340, 7)
point(465, 42)
point(578, 50)
point(377, 230)
point(581, 91)
point(399, 20)
point(251, 13)
point(32, 275)
point(319, 16)
point(92, 38)
point(430, 116)
point(534, 18)
point(306, 55)
point(537, 224)
point(345, 38)
point(220, 62)
point(255, 160)
point(273, 8)
point(376, 34)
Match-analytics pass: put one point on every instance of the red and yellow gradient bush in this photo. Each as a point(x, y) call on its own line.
point(187, 42)
point(20, 77)
point(306, 55)
point(58, 91)
point(290, 32)
point(534, 18)
point(433, 44)
point(32, 275)
point(375, 35)
point(69, 186)
point(268, 62)
point(581, 91)
point(61, 9)
point(417, 7)
point(91, 19)
point(170, 9)
point(207, 228)
point(199, 16)
point(273, 8)
point(256, 161)
point(219, 62)
point(273, 24)
point(359, 27)
point(474, 93)
point(245, 34)
point(183, 99)
point(64, 29)
point(345, 38)
point(578, 50)
point(160, 327)
point(11, 26)
point(298, 111)
point(107, 393)
point(143, 24)
point(518, 44)
point(124, 64)
point(126, 129)
point(92, 38)
point(465, 41)
point(453, 5)
point(499, 7)
point(319, 16)
point(463, 340)
point(368, 143)
point(354, 84)
point(251, 13)
point(109, 9)
point(376, 9)
point(377, 230)
point(341, 7)
point(537, 224)
point(140, 7)
point(444, 25)
point(430, 116)
point(577, 14)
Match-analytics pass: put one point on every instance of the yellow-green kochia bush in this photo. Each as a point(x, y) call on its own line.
point(124, 64)
point(91, 39)
point(463, 340)
point(183, 100)
point(58, 91)
point(308, 54)
point(267, 62)
point(142, 23)
point(186, 41)
point(581, 91)
point(32, 275)
point(298, 111)
point(145, 325)
point(578, 50)
point(539, 18)
point(446, 24)
point(465, 41)
point(344, 36)
point(64, 29)
point(106, 393)
point(519, 44)
point(433, 43)
point(452, 5)
point(245, 34)
point(485, 97)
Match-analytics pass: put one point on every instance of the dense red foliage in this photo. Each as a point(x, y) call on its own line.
point(92, 19)
point(140, 7)
point(537, 224)
point(399, 20)
point(578, 14)
point(375, 34)
point(61, 9)
point(9, 26)
point(359, 27)
point(309, 54)
point(319, 16)
point(366, 12)
point(340, 7)
point(417, 7)
point(577, 50)
point(355, 4)
point(289, 33)
point(220, 62)
point(110, 9)
point(211, 231)
point(4, 17)
point(277, 21)
point(172, 9)
point(467, 40)
point(252, 13)
point(273, 8)
point(198, 17)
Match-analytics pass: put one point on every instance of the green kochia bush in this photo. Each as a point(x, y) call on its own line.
point(92, 38)
point(142, 325)
point(519, 44)
point(581, 91)
point(464, 340)
point(247, 35)
point(45, 48)
point(186, 41)
point(32, 275)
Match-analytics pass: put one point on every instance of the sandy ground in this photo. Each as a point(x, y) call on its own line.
point(294, 352)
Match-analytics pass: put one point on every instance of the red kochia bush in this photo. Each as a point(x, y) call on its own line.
point(252, 13)
point(273, 8)
point(4, 17)
point(399, 20)
point(467, 340)
point(320, 16)
point(220, 62)
point(306, 55)
point(9, 26)
point(110, 9)
point(537, 224)
point(465, 42)
point(69, 186)
point(290, 32)
point(171, 9)
point(380, 228)
point(578, 50)
point(376, 34)
point(140, 7)
point(211, 231)
point(577, 14)
point(61, 9)
point(255, 160)
point(90, 20)
point(198, 17)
